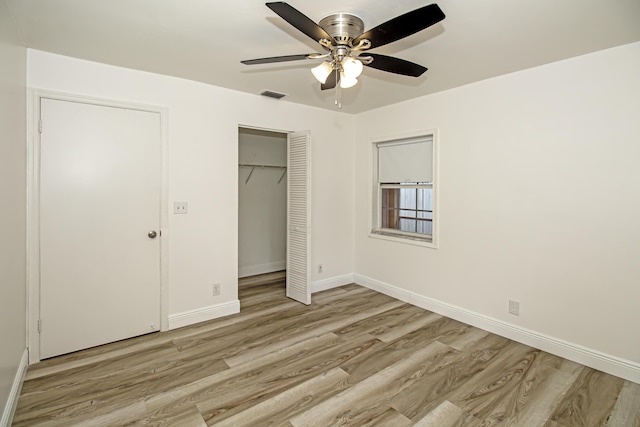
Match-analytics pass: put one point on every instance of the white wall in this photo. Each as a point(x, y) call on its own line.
point(539, 182)
point(12, 203)
point(203, 168)
point(262, 203)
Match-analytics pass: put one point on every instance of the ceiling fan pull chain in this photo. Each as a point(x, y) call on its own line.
point(338, 101)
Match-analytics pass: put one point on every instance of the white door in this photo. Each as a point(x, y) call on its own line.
point(299, 217)
point(100, 175)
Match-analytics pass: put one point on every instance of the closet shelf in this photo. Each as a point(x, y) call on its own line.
point(253, 167)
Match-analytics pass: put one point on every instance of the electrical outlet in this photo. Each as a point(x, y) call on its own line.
point(216, 289)
point(180, 207)
point(514, 307)
point(320, 268)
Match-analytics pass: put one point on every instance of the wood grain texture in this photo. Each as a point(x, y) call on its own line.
point(589, 401)
point(627, 409)
point(354, 357)
point(448, 415)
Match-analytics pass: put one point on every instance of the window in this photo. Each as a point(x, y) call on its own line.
point(403, 191)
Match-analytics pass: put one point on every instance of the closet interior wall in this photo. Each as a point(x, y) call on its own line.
point(262, 201)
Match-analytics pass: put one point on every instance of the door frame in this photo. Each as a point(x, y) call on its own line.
point(309, 235)
point(33, 205)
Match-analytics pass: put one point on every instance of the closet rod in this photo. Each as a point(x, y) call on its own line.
point(246, 165)
point(253, 167)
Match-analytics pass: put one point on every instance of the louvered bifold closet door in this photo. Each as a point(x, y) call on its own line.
point(299, 217)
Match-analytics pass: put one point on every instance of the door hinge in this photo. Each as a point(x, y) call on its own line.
point(40, 126)
point(39, 325)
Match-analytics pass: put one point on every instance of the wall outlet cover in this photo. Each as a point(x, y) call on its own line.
point(514, 307)
point(180, 207)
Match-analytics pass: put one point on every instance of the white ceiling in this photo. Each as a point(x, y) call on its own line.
point(205, 40)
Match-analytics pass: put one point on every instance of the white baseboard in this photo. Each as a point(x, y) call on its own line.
point(12, 401)
point(254, 270)
point(187, 318)
point(601, 361)
point(333, 282)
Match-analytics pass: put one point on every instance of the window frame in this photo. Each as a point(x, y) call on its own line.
point(375, 229)
point(405, 186)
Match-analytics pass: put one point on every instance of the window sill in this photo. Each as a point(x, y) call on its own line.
point(426, 241)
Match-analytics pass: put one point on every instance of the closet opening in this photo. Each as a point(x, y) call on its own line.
point(262, 206)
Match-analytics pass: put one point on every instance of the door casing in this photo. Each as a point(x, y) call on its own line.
point(33, 207)
point(309, 234)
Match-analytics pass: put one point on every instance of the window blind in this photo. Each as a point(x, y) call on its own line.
point(406, 160)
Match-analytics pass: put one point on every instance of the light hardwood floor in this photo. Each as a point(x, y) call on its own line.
point(354, 357)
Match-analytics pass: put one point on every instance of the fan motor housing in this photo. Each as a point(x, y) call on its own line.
point(343, 27)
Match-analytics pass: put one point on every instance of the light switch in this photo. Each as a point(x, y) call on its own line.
point(179, 207)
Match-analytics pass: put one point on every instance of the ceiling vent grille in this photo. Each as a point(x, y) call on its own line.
point(274, 95)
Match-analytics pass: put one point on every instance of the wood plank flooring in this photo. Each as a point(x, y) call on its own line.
point(354, 357)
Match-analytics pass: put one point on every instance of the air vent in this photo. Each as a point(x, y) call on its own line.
point(274, 95)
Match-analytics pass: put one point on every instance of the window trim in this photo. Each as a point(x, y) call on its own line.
point(375, 195)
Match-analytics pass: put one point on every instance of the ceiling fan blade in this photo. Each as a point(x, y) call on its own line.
point(332, 81)
point(276, 59)
point(300, 21)
point(395, 65)
point(402, 26)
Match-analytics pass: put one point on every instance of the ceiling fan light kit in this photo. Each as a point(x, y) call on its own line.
point(347, 82)
point(352, 67)
point(342, 37)
point(322, 71)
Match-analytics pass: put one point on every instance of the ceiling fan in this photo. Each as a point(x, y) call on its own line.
point(346, 44)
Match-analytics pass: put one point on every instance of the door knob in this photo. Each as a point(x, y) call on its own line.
point(152, 234)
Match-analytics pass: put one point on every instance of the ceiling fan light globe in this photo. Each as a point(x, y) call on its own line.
point(347, 82)
point(322, 71)
point(352, 67)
